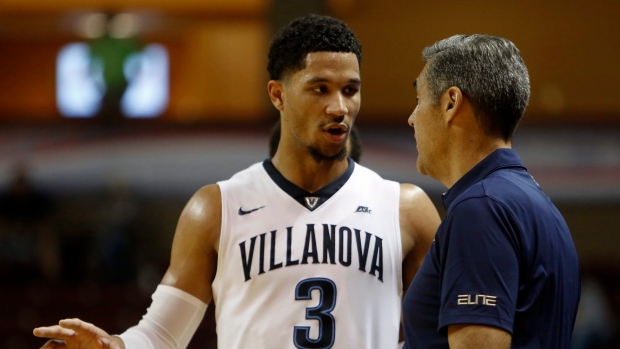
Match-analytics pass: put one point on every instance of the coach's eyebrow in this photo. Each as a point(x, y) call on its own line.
point(415, 84)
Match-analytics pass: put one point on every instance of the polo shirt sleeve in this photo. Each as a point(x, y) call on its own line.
point(479, 265)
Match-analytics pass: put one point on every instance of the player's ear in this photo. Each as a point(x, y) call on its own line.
point(276, 92)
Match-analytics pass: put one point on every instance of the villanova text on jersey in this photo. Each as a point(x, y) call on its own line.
point(336, 248)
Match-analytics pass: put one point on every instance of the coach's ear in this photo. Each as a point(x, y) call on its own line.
point(276, 93)
point(451, 103)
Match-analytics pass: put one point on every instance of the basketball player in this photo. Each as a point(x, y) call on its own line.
point(304, 250)
point(503, 270)
point(354, 146)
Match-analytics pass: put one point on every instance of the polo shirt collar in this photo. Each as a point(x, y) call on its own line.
point(498, 159)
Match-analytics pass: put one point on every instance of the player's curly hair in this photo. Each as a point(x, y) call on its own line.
point(311, 33)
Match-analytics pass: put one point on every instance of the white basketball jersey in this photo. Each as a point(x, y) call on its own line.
point(301, 270)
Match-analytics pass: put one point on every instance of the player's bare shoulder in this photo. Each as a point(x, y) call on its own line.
point(195, 243)
point(419, 221)
point(202, 215)
point(419, 218)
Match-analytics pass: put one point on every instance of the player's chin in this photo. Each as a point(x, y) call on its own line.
point(329, 154)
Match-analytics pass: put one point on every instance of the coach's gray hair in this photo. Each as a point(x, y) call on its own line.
point(489, 71)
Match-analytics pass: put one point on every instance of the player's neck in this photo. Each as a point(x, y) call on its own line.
point(308, 173)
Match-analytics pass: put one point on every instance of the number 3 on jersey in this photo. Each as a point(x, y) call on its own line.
point(321, 313)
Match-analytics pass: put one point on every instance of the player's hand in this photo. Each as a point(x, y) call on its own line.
point(77, 334)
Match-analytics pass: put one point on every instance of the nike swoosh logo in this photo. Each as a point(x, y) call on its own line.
point(242, 212)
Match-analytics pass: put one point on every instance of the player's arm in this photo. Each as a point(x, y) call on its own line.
point(193, 260)
point(478, 337)
point(180, 301)
point(419, 221)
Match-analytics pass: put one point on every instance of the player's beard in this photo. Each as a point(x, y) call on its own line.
point(319, 156)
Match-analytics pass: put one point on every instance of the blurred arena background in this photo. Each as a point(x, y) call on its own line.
point(112, 113)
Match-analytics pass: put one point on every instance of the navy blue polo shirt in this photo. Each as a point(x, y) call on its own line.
point(503, 257)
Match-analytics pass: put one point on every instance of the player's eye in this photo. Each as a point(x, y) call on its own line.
point(320, 89)
point(351, 91)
